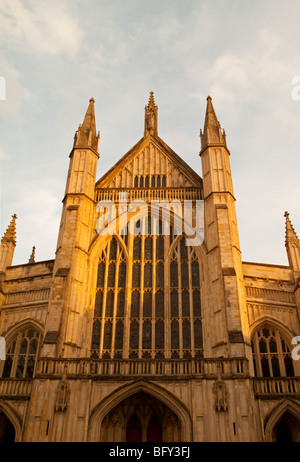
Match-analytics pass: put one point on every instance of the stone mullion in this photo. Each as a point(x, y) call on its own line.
point(15, 356)
point(142, 263)
point(167, 298)
point(153, 320)
point(280, 354)
point(107, 261)
point(192, 331)
point(179, 300)
point(128, 291)
point(26, 355)
point(118, 257)
point(257, 355)
point(269, 358)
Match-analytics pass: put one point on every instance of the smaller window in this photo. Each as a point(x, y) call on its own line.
point(271, 355)
point(21, 354)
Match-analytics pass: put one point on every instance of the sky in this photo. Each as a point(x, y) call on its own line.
point(56, 55)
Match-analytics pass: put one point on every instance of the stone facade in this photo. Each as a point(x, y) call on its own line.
point(137, 336)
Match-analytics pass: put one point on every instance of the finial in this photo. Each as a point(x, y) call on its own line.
point(32, 256)
point(92, 100)
point(151, 102)
point(151, 117)
point(209, 98)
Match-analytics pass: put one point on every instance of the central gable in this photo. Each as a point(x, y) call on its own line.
point(150, 163)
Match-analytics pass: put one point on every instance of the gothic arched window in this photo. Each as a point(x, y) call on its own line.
point(186, 322)
point(108, 328)
point(147, 302)
point(271, 355)
point(21, 354)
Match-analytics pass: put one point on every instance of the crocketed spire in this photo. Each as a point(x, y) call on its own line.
point(212, 133)
point(292, 244)
point(10, 233)
point(86, 135)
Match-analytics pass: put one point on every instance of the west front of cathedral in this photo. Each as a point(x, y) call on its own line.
point(138, 333)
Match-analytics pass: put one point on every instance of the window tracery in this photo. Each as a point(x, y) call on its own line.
point(150, 305)
point(271, 355)
point(153, 181)
point(21, 354)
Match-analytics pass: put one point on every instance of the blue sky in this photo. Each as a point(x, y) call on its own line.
point(56, 55)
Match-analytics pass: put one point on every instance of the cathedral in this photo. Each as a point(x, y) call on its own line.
point(138, 333)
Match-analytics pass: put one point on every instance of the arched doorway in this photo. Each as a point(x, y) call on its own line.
point(141, 418)
point(133, 430)
point(7, 430)
point(287, 429)
point(154, 432)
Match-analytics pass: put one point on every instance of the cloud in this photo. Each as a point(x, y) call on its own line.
point(42, 27)
point(38, 220)
point(2, 154)
point(13, 89)
point(240, 75)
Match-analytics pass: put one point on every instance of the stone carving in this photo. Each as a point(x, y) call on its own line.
point(62, 394)
point(221, 403)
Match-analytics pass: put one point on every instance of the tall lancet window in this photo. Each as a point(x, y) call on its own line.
point(185, 314)
point(147, 315)
point(108, 328)
point(147, 302)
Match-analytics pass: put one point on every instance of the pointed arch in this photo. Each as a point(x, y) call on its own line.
point(14, 418)
point(26, 323)
point(23, 343)
point(117, 396)
point(287, 333)
point(271, 348)
point(122, 220)
point(147, 311)
point(276, 414)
